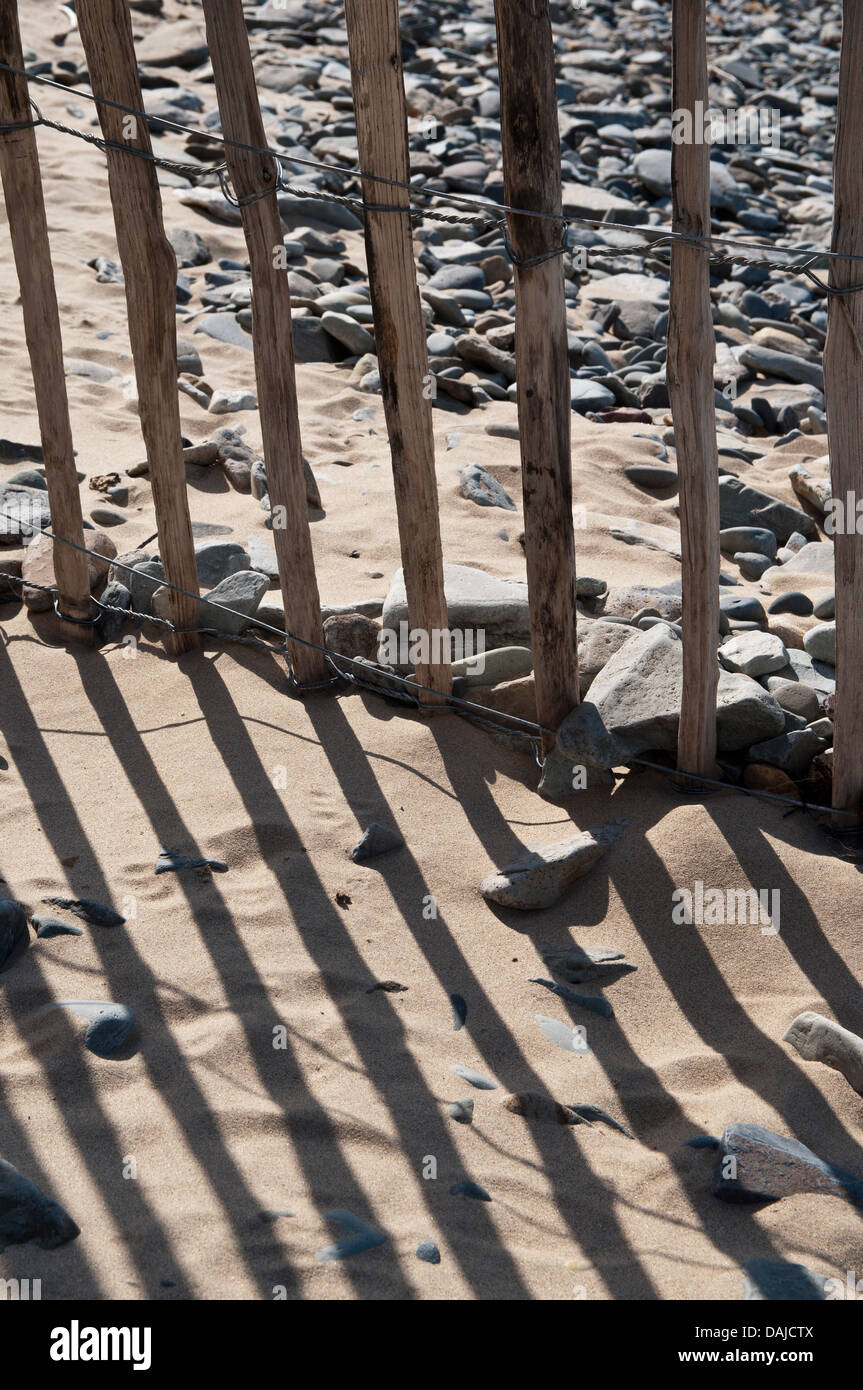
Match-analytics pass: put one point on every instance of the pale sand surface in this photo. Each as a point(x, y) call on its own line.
point(108, 758)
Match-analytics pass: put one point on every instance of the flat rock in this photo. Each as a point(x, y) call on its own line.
point(755, 1165)
point(546, 872)
point(479, 486)
point(476, 601)
point(753, 653)
point(791, 753)
point(742, 505)
point(241, 592)
point(26, 1214)
point(348, 332)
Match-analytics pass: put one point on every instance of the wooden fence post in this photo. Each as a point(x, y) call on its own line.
point(843, 387)
point(271, 330)
point(374, 41)
point(150, 273)
point(532, 179)
point(28, 228)
point(691, 354)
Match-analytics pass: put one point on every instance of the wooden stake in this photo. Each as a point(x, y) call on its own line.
point(374, 41)
point(531, 170)
point(691, 353)
point(150, 273)
point(28, 228)
point(843, 387)
point(271, 330)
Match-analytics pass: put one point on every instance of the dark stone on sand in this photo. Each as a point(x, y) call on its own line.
point(52, 926)
point(428, 1252)
point(595, 1115)
point(594, 1002)
point(795, 602)
point(388, 987)
point(475, 1078)
point(170, 861)
point(461, 1111)
point(755, 1165)
point(94, 913)
point(459, 1011)
point(359, 1237)
point(378, 839)
point(470, 1189)
point(702, 1141)
point(13, 928)
point(780, 1281)
point(26, 1214)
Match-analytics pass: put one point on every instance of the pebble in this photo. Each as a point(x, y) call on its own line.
point(569, 1039)
point(794, 602)
point(764, 1167)
point(47, 927)
point(170, 861)
point(377, 839)
point(459, 1012)
point(461, 1111)
point(546, 872)
point(594, 1115)
point(95, 913)
point(428, 1252)
point(470, 1189)
point(226, 402)
point(820, 642)
point(108, 1025)
point(594, 1003)
point(26, 1214)
point(358, 1238)
point(825, 607)
point(479, 486)
point(475, 1078)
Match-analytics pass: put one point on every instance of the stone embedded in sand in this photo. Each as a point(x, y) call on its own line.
point(594, 1115)
point(94, 913)
point(26, 1214)
point(781, 1281)
point(595, 1003)
point(470, 1189)
point(13, 928)
point(475, 1078)
point(428, 1252)
point(582, 757)
point(819, 1039)
point(47, 927)
point(755, 1165)
point(377, 839)
point(170, 861)
point(461, 1111)
point(577, 965)
point(569, 1039)
point(532, 1106)
point(108, 1024)
point(360, 1237)
point(459, 1011)
point(479, 486)
point(546, 873)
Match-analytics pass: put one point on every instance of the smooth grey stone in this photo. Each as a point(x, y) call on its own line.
point(114, 596)
point(475, 601)
point(47, 927)
point(652, 168)
point(595, 1115)
point(796, 698)
point(428, 1252)
point(741, 505)
point(296, 209)
point(585, 395)
point(768, 1166)
point(781, 364)
point(651, 475)
point(26, 1214)
point(13, 928)
point(95, 913)
point(377, 839)
point(593, 1002)
point(790, 752)
point(475, 1078)
point(108, 1024)
point(226, 329)
point(440, 345)
point(216, 560)
point(479, 486)
point(452, 277)
point(492, 667)
point(752, 539)
point(170, 861)
point(470, 1189)
point(795, 602)
point(28, 477)
point(825, 607)
point(210, 528)
point(242, 592)
point(188, 358)
point(461, 1111)
point(820, 643)
point(816, 557)
point(263, 557)
point(751, 566)
point(562, 1035)
point(143, 581)
point(348, 332)
point(106, 516)
point(743, 607)
point(459, 1012)
point(775, 1281)
point(359, 1237)
point(189, 248)
point(582, 741)
point(755, 653)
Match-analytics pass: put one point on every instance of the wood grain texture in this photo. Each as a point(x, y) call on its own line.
point(28, 229)
point(691, 354)
point(531, 170)
point(381, 115)
point(271, 331)
point(843, 388)
point(150, 273)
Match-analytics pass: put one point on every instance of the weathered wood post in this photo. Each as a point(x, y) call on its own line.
point(531, 171)
point(843, 387)
point(28, 228)
point(150, 273)
point(374, 40)
point(691, 353)
point(252, 174)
